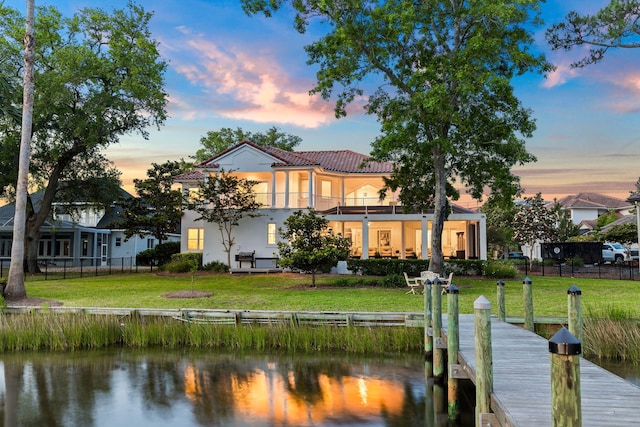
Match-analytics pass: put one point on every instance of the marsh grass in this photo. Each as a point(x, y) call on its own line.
point(611, 333)
point(70, 332)
point(609, 306)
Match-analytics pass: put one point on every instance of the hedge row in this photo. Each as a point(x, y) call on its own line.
point(413, 267)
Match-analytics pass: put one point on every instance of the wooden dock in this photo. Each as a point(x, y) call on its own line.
point(522, 381)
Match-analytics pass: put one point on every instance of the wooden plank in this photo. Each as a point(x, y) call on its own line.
point(522, 383)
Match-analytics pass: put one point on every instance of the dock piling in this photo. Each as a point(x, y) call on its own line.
point(428, 335)
point(453, 343)
point(527, 294)
point(501, 304)
point(566, 406)
point(436, 322)
point(574, 304)
point(484, 356)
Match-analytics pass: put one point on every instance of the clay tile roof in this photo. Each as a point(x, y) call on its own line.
point(592, 200)
point(189, 176)
point(345, 161)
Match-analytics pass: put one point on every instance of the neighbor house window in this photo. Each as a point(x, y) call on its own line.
point(195, 239)
point(271, 233)
point(151, 243)
point(118, 241)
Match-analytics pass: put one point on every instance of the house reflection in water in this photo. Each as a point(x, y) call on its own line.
point(288, 394)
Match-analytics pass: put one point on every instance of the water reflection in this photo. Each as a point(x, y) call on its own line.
point(203, 389)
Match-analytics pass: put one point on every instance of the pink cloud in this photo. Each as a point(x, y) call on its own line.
point(562, 74)
point(248, 85)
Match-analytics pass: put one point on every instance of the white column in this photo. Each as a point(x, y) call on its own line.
point(365, 238)
point(342, 192)
point(483, 237)
point(286, 189)
point(425, 238)
point(273, 189)
point(311, 195)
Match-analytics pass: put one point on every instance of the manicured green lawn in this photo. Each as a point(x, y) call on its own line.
point(292, 292)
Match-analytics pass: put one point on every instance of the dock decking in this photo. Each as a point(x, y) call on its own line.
point(522, 382)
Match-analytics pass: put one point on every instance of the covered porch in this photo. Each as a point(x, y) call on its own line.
point(387, 232)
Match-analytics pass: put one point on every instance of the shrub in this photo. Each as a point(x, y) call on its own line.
point(393, 281)
point(146, 257)
point(575, 261)
point(164, 251)
point(184, 263)
point(500, 269)
point(159, 255)
point(413, 267)
point(216, 266)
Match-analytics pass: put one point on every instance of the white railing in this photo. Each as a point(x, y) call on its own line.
point(301, 200)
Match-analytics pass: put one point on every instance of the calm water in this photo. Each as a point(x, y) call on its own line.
point(125, 388)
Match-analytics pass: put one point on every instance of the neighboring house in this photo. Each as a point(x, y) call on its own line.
point(84, 233)
point(589, 206)
point(341, 185)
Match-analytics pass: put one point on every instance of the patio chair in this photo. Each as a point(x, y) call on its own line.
point(428, 275)
point(412, 283)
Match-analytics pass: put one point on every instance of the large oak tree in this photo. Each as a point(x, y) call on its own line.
point(442, 72)
point(216, 141)
point(98, 76)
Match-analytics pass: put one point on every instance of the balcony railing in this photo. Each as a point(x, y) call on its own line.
point(301, 200)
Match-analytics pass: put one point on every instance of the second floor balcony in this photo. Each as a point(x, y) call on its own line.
point(320, 203)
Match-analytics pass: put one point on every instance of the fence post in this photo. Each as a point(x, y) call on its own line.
point(501, 305)
point(453, 343)
point(428, 331)
point(566, 408)
point(574, 306)
point(484, 356)
point(527, 294)
point(436, 310)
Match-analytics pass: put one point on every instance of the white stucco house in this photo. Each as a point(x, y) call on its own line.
point(339, 185)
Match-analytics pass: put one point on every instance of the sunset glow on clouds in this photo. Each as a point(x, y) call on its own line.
point(229, 70)
point(260, 89)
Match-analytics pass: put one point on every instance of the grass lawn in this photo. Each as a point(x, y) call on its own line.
point(292, 292)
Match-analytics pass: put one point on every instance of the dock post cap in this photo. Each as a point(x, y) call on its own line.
point(482, 303)
point(574, 290)
point(452, 289)
point(437, 281)
point(427, 282)
point(564, 343)
point(527, 281)
point(500, 282)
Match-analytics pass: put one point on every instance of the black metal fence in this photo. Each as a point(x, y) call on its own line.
point(593, 271)
point(67, 268)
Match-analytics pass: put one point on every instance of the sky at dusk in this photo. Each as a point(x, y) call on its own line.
point(230, 70)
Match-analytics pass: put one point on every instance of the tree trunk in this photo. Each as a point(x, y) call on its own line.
point(440, 211)
point(32, 245)
point(15, 283)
